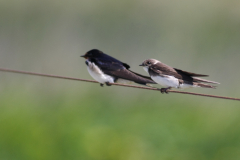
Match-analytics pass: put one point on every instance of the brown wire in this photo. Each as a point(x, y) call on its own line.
point(117, 84)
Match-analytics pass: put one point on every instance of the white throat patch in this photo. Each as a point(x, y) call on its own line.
point(145, 68)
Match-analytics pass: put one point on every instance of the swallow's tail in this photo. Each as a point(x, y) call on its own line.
point(203, 80)
point(144, 80)
point(204, 85)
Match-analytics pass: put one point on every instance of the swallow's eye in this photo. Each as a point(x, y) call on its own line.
point(148, 62)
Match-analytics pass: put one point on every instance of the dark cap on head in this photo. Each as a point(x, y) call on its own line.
point(91, 53)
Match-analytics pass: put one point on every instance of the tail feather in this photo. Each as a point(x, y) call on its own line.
point(204, 85)
point(146, 78)
point(203, 80)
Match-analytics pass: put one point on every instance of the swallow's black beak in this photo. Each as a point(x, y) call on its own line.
point(84, 56)
point(141, 65)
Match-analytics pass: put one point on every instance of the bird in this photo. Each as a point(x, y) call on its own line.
point(106, 69)
point(169, 77)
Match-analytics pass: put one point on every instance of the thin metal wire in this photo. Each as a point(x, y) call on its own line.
point(117, 84)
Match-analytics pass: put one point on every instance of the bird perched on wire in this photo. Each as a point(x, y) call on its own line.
point(169, 77)
point(106, 69)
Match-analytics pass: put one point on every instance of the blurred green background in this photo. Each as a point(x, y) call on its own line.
point(44, 118)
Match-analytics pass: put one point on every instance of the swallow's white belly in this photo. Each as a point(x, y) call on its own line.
point(97, 73)
point(166, 81)
point(171, 81)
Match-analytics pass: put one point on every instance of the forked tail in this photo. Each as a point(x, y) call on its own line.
point(205, 85)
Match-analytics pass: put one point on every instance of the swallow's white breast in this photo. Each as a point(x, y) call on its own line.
point(97, 73)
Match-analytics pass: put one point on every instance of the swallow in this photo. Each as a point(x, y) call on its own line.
point(169, 77)
point(106, 69)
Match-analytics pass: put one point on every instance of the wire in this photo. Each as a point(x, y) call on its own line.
point(117, 84)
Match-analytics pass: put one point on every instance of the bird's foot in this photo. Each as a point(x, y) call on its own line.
point(108, 84)
point(164, 90)
point(101, 84)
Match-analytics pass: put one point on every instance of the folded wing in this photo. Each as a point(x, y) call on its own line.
point(163, 69)
point(119, 69)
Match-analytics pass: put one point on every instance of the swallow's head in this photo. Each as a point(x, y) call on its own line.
point(148, 63)
point(92, 53)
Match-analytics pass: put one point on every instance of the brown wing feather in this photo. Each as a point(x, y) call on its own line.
point(183, 76)
point(163, 70)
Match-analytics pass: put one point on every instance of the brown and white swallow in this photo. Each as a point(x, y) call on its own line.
point(106, 69)
point(169, 77)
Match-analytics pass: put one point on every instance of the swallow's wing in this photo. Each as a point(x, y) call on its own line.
point(161, 69)
point(118, 69)
point(183, 76)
